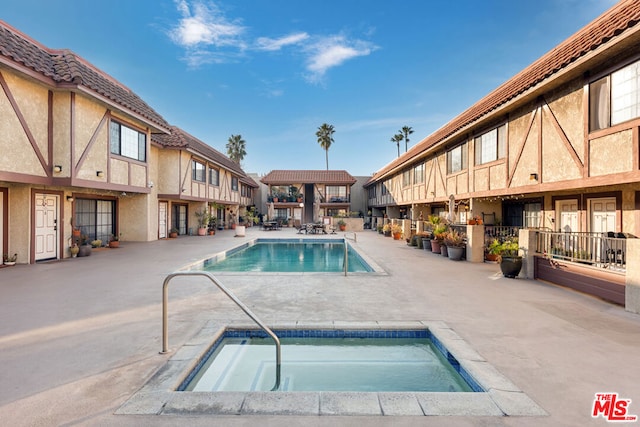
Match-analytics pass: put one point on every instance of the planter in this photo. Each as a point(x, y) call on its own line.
point(397, 236)
point(471, 222)
point(444, 250)
point(455, 252)
point(85, 250)
point(419, 242)
point(342, 227)
point(202, 231)
point(173, 235)
point(240, 230)
point(387, 234)
point(492, 257)
point(435, 246)
point(114, 244)
point(426, 244)
point(212, 232)
point(9, 263)
point(511, 266)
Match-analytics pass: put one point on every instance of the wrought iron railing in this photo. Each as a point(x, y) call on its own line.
point(595, 249)
point(500, 232)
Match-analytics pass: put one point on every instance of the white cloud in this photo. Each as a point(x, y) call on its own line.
point(333, 51)
point(203, 26)
point(269, 44)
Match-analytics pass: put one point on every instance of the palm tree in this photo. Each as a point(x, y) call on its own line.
point(406, 130)
point(236, 148)
point(325, 138)
point(397, 138)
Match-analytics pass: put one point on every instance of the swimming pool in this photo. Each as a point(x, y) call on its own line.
point(330, 360)
point(288, 256)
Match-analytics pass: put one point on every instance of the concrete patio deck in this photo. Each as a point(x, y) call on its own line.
point(80, 337)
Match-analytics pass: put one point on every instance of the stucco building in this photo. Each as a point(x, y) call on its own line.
point(81, 150)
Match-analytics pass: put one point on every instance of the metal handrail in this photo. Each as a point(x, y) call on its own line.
point(165, 320)
point(346, 257)
point(355, 237)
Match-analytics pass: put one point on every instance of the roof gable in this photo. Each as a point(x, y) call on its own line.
point(276, 177)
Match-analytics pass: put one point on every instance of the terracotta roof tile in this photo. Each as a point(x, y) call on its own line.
point(612, 23)
point(178, 138)
point(63, 66)
point(276, 177)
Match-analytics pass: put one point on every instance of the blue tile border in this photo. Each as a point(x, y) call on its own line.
point(335, 333)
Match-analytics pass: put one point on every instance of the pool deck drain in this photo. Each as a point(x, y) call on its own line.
point(500, 398)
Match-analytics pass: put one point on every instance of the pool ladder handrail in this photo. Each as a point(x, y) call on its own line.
point(227, 292)
point(346, 250)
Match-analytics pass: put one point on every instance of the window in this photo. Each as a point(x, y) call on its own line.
point(243, 190)
point(457, 159)
point(406, 178)
point(615, 98)
point(418, 174)
point(490, 146)
point(336, 193)
point(532, 215)
point(127, 142)
point(214, 177)
point(372, 192)
point(95, 218)
point(197, 171)
point(234, 183)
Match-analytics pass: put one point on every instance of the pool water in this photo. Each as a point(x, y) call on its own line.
point(328, 364)
point(290, 257)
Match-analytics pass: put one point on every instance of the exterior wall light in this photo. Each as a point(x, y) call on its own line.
point(70, 199)
point(533, 177)
point(57, 168)
point(99, 174)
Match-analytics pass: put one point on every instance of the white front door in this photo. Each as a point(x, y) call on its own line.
point(162, 220)
point(603, 215)
point(46, 224)
point(568, 216)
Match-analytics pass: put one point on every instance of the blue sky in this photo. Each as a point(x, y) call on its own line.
point(275, 70)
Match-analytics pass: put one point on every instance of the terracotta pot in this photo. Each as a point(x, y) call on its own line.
point(472, 222)
point(114, 244)
point(173, 235)
point(202, 231)
point(435, 246)
point(397, 236)
point(343, 227)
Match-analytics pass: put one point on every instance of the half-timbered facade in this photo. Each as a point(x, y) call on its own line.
point(195, 176)
point(79, 150)
point(307, 195)
point(554, 147)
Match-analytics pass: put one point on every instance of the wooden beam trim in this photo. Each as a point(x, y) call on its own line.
point(25, 126)
point(512, 172)
point(563, 136)
point(92, 140)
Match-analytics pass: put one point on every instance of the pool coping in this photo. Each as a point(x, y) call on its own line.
point(500, 398)
point(377, 270)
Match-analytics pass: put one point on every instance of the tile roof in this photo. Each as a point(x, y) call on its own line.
point(276, 177)
point(65, 67)
point(609, 25)
point(178, 138)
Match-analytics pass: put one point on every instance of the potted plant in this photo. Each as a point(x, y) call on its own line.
point(114, 242)
point(85, 247)
point(97, 243)
point(173, 233)
point(342, 225)
point(438, 238)
point(203, 220)
point(379, 228)
point(396, 230)
point(510, 261)
point(493, 251)
point(8, 259)
point(386, 230)
point(74, 249)
point(456, 244)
